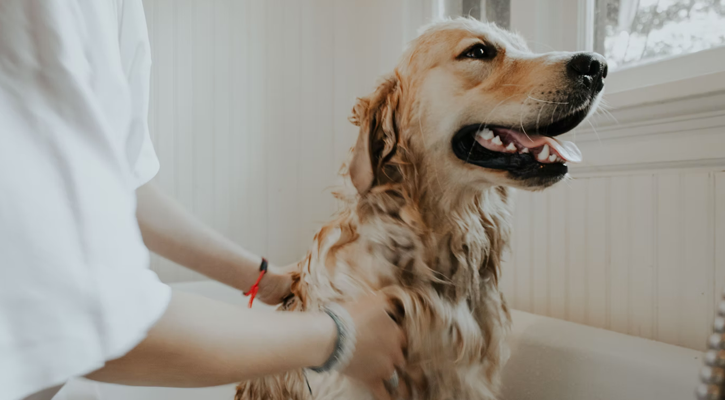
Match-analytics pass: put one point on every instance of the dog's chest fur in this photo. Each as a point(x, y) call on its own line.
point(442, 273)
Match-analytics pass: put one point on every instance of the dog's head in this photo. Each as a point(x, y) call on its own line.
point(470, 105)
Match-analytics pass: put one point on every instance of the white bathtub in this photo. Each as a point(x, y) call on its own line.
point(550, 360)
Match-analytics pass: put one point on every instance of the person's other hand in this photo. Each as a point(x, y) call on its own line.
point(275, 284)
point(379, 347)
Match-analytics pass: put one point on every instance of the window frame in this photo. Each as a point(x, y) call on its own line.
point(544, 24)
point(681, 74)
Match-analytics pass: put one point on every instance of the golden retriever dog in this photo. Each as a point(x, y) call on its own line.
point(468, 113)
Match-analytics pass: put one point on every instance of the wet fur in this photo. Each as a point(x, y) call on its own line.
point(427, 229)
point(442, 273)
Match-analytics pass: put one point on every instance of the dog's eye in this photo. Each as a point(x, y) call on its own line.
point(481, 52)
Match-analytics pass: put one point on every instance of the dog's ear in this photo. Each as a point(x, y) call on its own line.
point(377, 140)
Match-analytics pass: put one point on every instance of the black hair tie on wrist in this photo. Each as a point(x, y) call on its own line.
point(255, 288)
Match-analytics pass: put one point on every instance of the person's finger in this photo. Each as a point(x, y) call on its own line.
point(379, 391)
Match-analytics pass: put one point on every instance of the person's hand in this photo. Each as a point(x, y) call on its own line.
point(379, 347)
point(275, 284)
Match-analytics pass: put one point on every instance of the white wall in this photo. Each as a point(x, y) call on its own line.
point(249, 109)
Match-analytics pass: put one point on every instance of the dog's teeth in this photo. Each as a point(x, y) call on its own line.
point(497, 140)
point(544, 153)
point(511, 147)
point(525, 150)
point(485, 134)
point(552, 157)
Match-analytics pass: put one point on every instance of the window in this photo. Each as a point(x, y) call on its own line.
point(629, 32)
point(498, 11)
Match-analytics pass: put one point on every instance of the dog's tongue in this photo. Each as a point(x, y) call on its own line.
point(568, 151)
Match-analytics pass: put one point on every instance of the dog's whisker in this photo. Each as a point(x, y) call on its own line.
point(595, 131)
point(521, 116)
point(609, 114)
point(567, 179)
point(553, 114)
point(541, 108)
point(547, 101)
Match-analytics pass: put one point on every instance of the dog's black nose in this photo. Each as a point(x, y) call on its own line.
point(588, 68)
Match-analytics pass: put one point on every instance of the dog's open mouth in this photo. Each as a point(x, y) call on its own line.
point(523, 153)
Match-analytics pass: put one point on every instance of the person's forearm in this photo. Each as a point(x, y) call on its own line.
point(200, 342)
point(174, 233)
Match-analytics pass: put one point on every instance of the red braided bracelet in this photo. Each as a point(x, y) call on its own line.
point(255, 288)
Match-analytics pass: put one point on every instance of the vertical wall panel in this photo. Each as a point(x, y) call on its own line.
point(619, 232)
point(522, 252)
point(669, 258)
point(221, 115)
point(241, 113)
point(558, 247)
point(696, 271)
point(642, 228)
point(596, 258)
point(577, 251)
point(202, 117)
point(540, 252)
point(258, 128)
point(317, 168)
point(719, 234)
point(283, 60)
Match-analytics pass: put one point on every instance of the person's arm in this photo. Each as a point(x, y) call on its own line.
point(200, 342)
point(172, 232)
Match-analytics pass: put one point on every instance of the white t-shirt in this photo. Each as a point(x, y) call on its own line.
point(75, 287)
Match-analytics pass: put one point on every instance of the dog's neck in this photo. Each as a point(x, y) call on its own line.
point(462, 234)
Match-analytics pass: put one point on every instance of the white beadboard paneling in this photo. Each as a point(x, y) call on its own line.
point(641, 253)
point(618, 255)
point(249, 107)
point(642, 229)
point(696, 272)
point(221, 115)
point(523, 276)
point(719, 234)
point(557, 251)
point(257, 129)
point(241, 112)
point(670, 257)
point(540, 251)
point(577, 251)
point(282, 52)
point(596, 252)
point(317, 168)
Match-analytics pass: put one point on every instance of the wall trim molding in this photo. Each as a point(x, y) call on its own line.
point(680, 123)
point(709, 164)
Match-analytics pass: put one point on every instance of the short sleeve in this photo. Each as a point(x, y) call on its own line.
point(135, 51)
